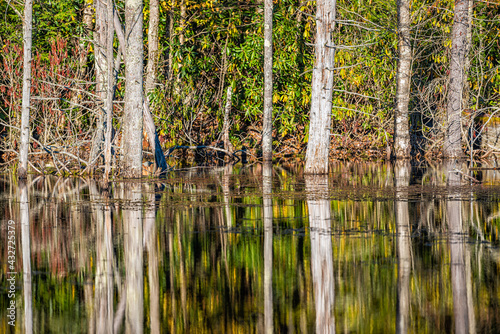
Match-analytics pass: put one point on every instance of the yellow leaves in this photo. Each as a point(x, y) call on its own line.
point(307, 29)
point(277, 98)
point(342, 73)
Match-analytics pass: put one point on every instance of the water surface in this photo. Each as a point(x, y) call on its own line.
point(369, 248)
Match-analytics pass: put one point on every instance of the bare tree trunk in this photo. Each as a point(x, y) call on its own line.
point(152, 66)
point(22, 171)
point(267, 121)
point(149, 125)
point(466, 92)
point(403, 237)
point(131, 143)
point(110, 90)
point(401, 132)
point(268, 246)
point(453, 136)
point(321, 96)
point(227, 111)
point(101, 65)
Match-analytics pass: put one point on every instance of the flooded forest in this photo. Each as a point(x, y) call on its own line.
point(257, 166)
point(371, 248)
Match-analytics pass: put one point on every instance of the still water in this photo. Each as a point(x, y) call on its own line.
point(371, 248)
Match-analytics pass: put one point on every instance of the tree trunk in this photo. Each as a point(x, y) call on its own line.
point(401, 132)
point(453, 136)
point(25, 111)
point(321, 94)
point(110, 89)
point(152, 66)
point(101, 65)
point(225, 126)
point(466, 92)
point(267, 122)
point(149, 125)
point(131, 143)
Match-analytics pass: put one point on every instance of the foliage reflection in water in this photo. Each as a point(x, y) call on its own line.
point(369, 248)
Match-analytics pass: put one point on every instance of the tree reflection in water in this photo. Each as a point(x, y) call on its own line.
point(321, 252)
point(133, 253)
point(214, 247)
point(103, 291)
point(401, 183)
point(151, 236)
point(26, 249)
point(267, 179)
point(457, 250)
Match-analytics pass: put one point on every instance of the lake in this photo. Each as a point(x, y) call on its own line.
point(370, 248)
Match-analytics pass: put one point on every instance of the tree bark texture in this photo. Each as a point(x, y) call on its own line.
point(101, 65)
point(453, 136)
point(152, 66)
point(25, 109)
point(225, 126)
point(267, 121)
point(401, 132)
point(110, 88)
point(149, 125)
point(131, 143)
point(321, 252)
point(321, 95)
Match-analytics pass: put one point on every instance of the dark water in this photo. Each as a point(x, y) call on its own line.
point(372, 248)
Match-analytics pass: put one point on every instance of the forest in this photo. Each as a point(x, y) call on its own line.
point(400, 84)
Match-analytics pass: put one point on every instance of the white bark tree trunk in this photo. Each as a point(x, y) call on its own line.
point(318, 146)
point(22, 171)
point(152, 66)
point(110, 88)
point(225, 127)
point(103, 85)
point(131, 143)
point(149, 125)
point(453, 137)
point(267, 121)
point(401, 132)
